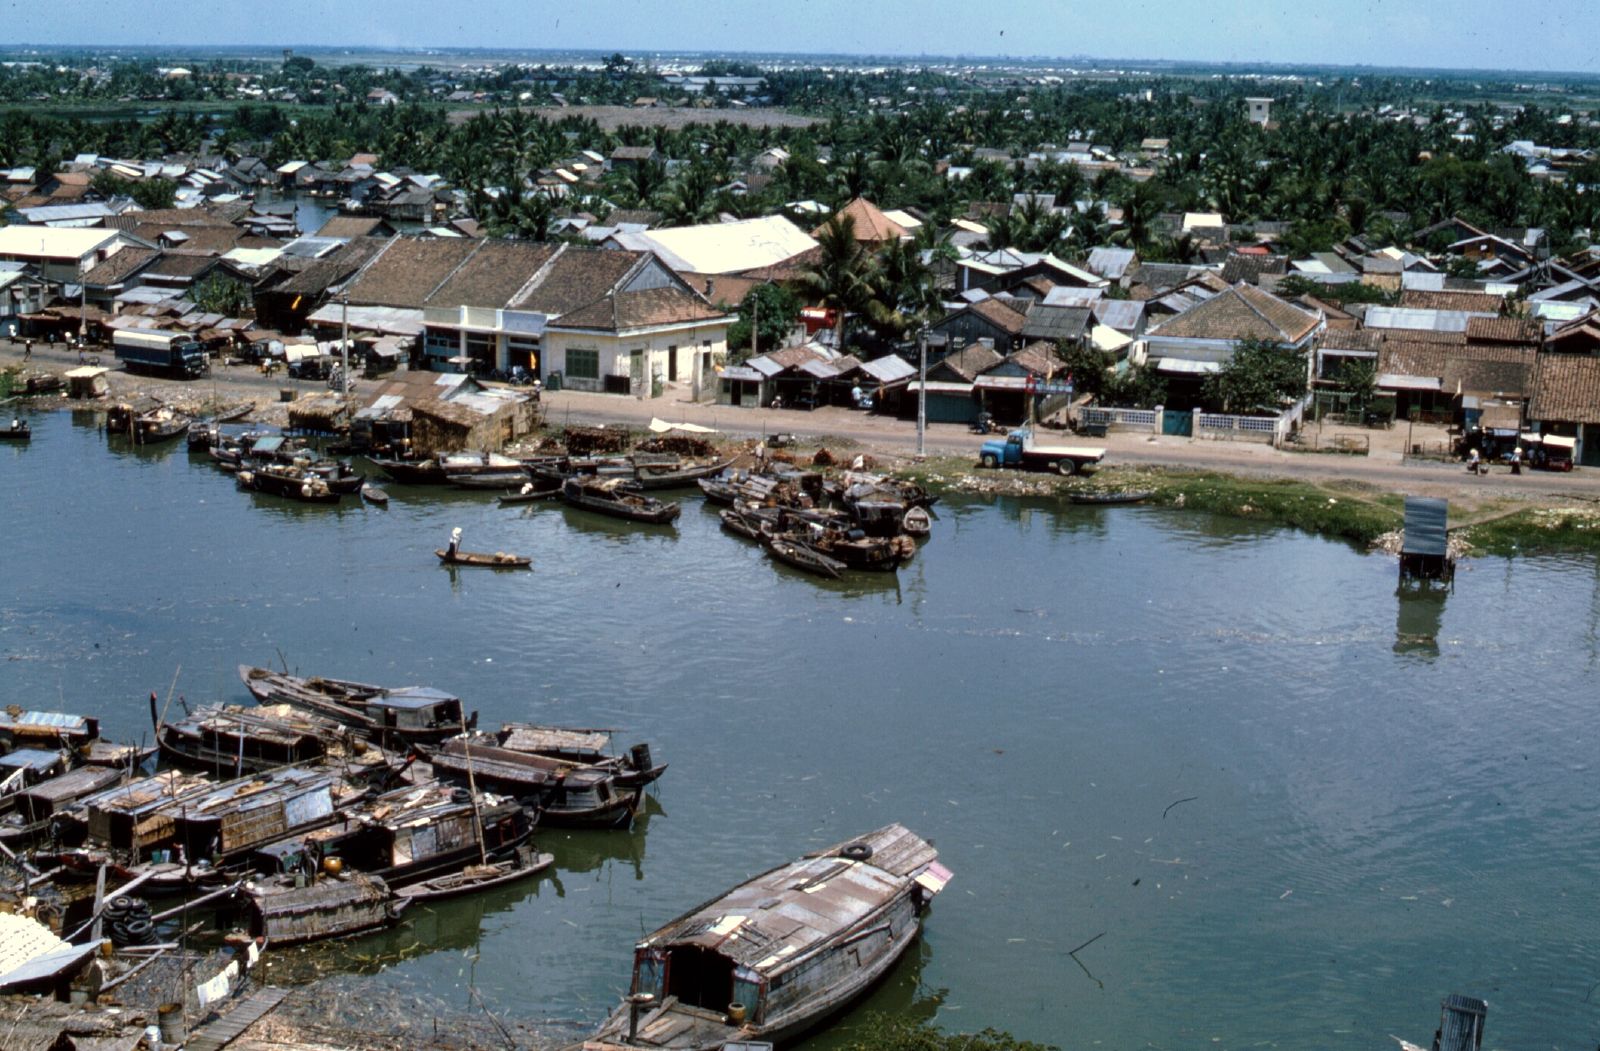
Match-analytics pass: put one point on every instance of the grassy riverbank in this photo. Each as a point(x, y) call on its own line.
point(1352, 511)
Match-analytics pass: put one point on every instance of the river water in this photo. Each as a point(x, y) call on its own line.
point(1385, 800)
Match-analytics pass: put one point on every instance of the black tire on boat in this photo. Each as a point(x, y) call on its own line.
point(856, 852)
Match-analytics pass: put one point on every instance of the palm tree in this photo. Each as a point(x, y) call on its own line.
point(844, 275)
point(905, 293)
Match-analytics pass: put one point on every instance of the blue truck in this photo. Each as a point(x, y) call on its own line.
point(162, 353)
point(1018, 449)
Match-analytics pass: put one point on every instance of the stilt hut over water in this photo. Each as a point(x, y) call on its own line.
point(1425, 552)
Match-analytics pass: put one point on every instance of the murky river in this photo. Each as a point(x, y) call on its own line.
point(1382, 801)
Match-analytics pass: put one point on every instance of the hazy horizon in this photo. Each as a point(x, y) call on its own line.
point(1469, 36)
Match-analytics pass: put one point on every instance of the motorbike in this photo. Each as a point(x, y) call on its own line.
point(984, 424)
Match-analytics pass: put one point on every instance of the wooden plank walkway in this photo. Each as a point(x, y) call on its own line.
point(214, 1036)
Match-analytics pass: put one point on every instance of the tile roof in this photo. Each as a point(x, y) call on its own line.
point(1039, 358)
point(120, 266)
point(1000, 315)
point(1249, 268)
point(350, 226)
point(408, 270)
point(1488, 377)
point(1476, 302)
point(1241, 312)
point(969, 361)
point(1502, 330)
point(1401, 357)
point(315, 278)
point(1352, 339)
point(642, 309)
point(492, 274)
point(575, 278)
point(871, 223)
point(1566, 387)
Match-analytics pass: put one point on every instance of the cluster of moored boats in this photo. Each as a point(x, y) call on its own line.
point(324, 809)
point(826, 526)
point(330, 807)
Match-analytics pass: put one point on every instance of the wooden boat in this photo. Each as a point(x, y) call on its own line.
point(857, 550)
point(412, 714)
point(510, 477)
point(408, 835)
point(287, 911)
point(36, 806)
point(801, 556)
point(27, 729)
point(567, 796)
point(497, 560)
point(778, 954)
point(294, 483)
point(738, 521)
point(591, 748)
point(916, 522)
point(532, 492)
point(474, 878)
point(236, 740)
point(617, 499)
point(18, 431)
point(412, 472)
point(674, 474)
point(373, 495)
point(159, 425)
point(1131, 497)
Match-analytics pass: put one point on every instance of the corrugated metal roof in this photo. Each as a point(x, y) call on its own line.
point(1425, 526)
point(1420, 319)
point(890, 368)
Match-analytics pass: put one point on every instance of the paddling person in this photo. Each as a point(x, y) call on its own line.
point(455, 543)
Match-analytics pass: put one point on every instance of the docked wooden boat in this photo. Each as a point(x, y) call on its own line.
point(501, 479)
point(412, 472)
point(1130, 497)
point(159, 425)
point(20, 728)
point(532, 491)
point(373, 495)
point(236, 740)
point(409, 714)
point(591, 748)
point(916, 522)
point(34, 808)
point(802, 556)
point(741, 523)
point(18, 431)
point(294, 483)
point(618, 499)
point(291, 911)
point(674, 473)
point(487, 560)
point(567, 795)
point(777, 955)
point(408, 835)
point(524, 863)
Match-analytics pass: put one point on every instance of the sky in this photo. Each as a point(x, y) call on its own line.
point(1534, 35)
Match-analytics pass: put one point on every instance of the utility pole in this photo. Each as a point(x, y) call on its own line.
point(83, 312)
point(344, 351)
point(922, 391)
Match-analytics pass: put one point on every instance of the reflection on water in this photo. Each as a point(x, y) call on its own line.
point(1032, 692)
point(1421, 615)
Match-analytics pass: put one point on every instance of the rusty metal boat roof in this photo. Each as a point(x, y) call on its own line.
point(777, 918)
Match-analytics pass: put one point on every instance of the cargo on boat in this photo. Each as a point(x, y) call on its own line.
point(232, 740)
point(778, 954)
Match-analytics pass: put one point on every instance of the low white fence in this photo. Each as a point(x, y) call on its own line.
point(1273, 429)
point(1128, 419)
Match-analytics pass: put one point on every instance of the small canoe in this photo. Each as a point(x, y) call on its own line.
point(916, 521)
point(1132, 497)
point(20, 433)
point(373, 495)
point(497, 560)
point(477, 877)
point(532, 492)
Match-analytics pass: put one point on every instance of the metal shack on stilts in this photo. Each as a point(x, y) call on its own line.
point(1425, 551)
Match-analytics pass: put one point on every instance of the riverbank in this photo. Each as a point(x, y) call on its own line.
point(1354, 498)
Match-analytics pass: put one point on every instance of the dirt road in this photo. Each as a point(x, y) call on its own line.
point(1386, 468)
